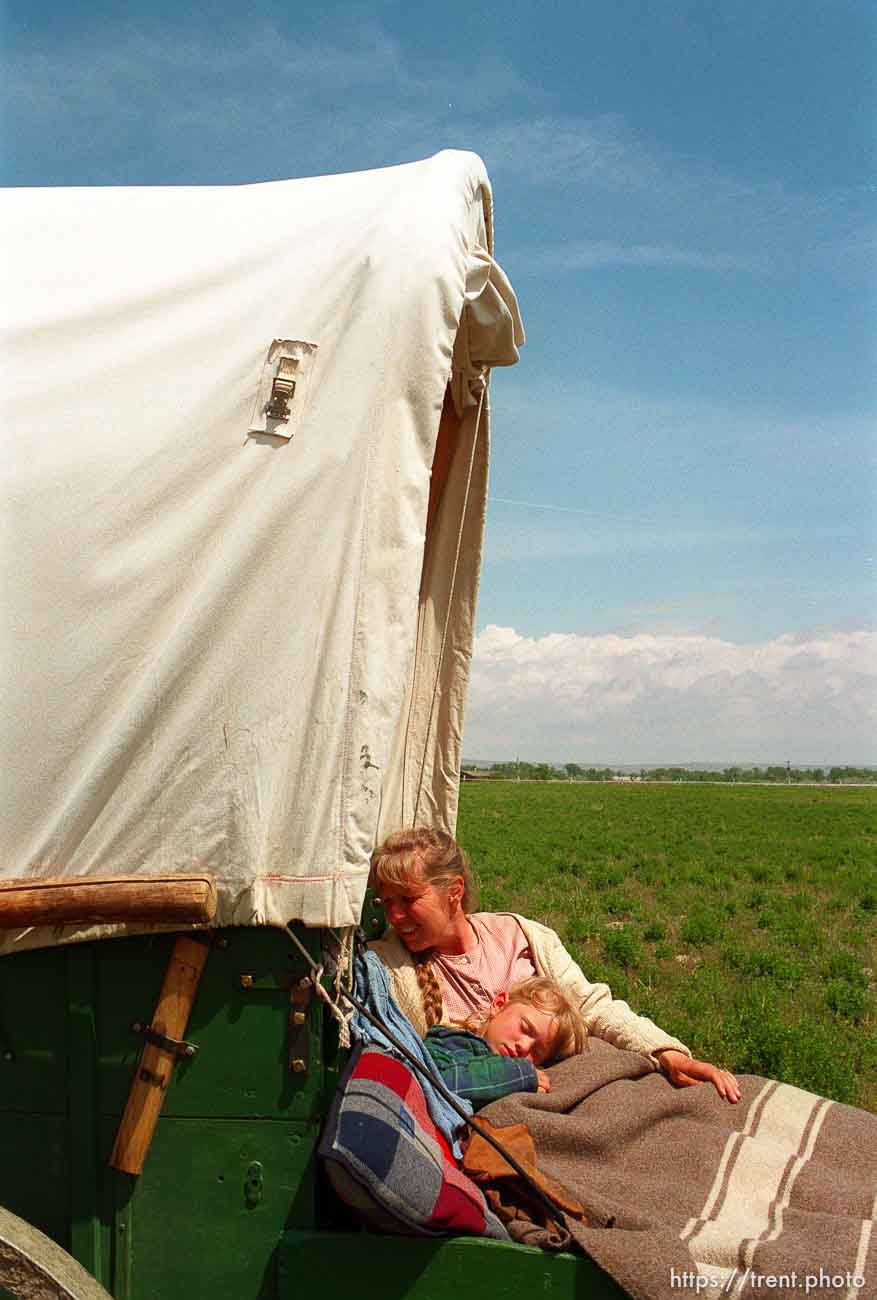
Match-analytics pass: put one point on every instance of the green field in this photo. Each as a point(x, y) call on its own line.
point(742, 919)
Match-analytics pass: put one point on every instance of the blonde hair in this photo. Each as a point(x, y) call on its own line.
point(425, 856)
point(430, 857)
point(570, 1032)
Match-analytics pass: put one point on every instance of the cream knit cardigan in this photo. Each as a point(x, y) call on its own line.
point(605, 1016)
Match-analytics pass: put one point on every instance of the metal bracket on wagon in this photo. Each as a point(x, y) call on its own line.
point(301, 993)
point(176, 1046)
point(300, 996)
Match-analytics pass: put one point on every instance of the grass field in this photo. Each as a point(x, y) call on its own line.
point(742, 919)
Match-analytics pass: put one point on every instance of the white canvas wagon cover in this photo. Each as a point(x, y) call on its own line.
point(232, 642)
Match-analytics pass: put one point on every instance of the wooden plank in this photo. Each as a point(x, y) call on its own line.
point(408, 1268)
point(35, 1172)
point(156, 1064)
point(33, 1036)
point(122, 1249)
point(83, 1113)
point(194, 1231)
point(171, 900)
point(241, 1067)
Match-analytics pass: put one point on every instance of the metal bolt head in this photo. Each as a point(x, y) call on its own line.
point(298, 1065)
point(246, 981)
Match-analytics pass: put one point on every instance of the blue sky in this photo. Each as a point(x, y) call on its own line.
point(681, 534)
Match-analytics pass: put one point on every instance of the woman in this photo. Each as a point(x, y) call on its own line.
point(447, 962)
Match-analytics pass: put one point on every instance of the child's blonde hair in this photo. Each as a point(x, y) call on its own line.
point(570, 1032)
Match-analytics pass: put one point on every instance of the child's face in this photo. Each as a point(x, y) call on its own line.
point(520, 1029)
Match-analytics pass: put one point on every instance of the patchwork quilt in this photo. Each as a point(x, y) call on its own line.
point(388, 1160)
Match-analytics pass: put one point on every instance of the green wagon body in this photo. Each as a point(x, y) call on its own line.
point(232, 1203)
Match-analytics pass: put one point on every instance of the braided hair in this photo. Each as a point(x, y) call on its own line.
point(433, 1002)
point(433, 858)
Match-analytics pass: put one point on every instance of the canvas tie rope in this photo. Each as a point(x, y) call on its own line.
point(482, 383)
point(344, 978)
point(344, 1017)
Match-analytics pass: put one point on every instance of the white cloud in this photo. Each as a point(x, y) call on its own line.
point(517, 538)
point(672, 698)
point(557, 151)
point(679, 213)
point(582, 255)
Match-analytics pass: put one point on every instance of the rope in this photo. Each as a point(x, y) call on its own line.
point(344, 978)
point(344, 1017)
point(482, 378)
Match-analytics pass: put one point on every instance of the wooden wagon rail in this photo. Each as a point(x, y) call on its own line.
point(165, 900)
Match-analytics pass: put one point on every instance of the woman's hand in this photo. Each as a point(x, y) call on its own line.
point(543, 1081)
point(684, 1071)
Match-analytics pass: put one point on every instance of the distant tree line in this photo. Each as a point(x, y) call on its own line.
point(548, 772)
point(776, 774)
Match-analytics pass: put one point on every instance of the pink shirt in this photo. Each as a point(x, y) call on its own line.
point(499, 960)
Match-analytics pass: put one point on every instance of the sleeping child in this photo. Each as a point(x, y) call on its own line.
point(531, 1025)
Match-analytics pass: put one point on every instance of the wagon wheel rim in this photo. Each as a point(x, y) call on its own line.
point(33, 1267)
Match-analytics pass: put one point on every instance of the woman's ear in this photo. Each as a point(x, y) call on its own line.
point(455, 891)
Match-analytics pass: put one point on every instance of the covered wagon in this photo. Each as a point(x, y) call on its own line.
point(244, 485)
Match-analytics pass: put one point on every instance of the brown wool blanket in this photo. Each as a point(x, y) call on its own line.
point(686, 1194)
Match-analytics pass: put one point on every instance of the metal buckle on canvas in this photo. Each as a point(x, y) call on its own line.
point(282, 389)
